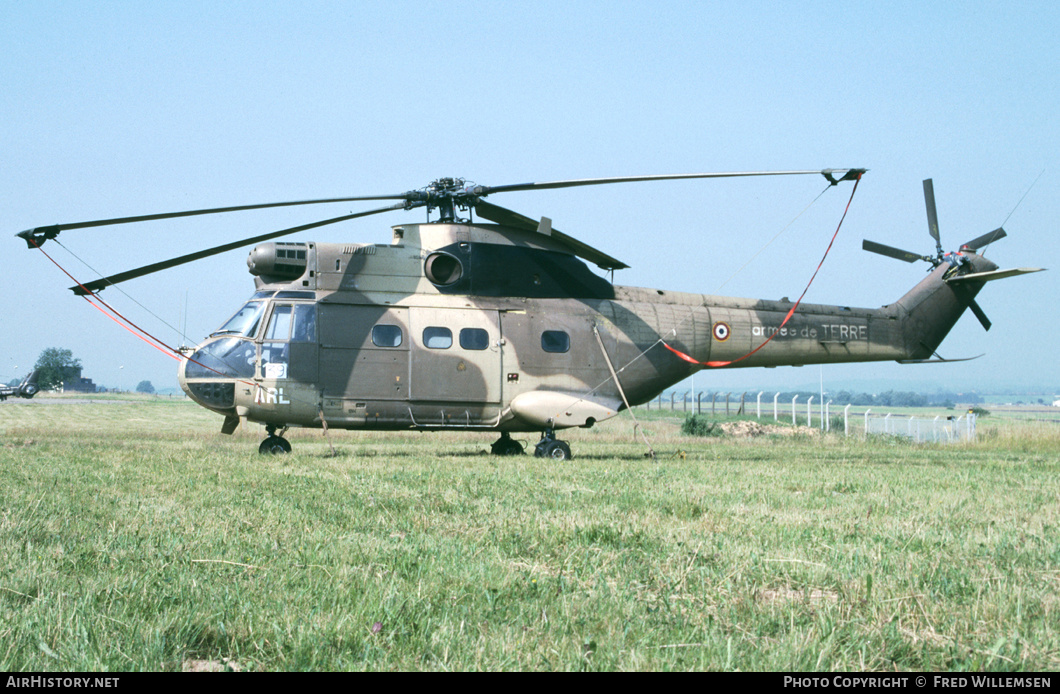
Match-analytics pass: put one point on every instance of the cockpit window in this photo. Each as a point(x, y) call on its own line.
point(227, 358)
point(246, 320)
point(305, 323)
point(296, 322)
point(279, 324)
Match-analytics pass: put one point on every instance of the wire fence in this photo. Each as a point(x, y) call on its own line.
point(921, 429)
point(822, 415)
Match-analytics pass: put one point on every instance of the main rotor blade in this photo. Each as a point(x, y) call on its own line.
point(985, 239)
point(891, 251)
point(502, 215)
point(100, 284)
point(53, 230)
point(827, 173)
point(932, 214)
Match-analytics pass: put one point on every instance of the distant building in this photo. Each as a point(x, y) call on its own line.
point(1056, 403)
point(74, 383)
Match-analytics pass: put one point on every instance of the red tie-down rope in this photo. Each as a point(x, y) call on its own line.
point(116, 316)
point(717, 364)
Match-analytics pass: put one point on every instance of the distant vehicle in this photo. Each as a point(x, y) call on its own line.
point(27, 389)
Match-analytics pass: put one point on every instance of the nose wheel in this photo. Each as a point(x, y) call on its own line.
point(274, 444)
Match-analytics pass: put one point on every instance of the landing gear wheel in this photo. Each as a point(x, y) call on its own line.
point(274, 445)
point(550, 447)
point(557, 450)
point(506, 445)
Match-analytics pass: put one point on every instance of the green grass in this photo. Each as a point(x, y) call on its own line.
point(133, 536)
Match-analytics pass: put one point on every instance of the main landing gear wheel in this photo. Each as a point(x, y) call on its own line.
point(557, 450)
point(550, 447)
point(506, 445)
point(274, 444)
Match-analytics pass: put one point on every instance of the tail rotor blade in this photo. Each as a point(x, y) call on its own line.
point(932, 214)
point(985, 239)
point(968, 297)
point(979, 314)
point(891, 252)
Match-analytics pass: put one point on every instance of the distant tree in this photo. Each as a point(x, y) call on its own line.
point(944, 397)
point(863, 400)
point(145, 387)
point(843, 397)
point(56, 365)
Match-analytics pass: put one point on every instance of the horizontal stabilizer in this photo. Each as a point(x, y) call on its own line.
point(994, 275)
point(934, 361)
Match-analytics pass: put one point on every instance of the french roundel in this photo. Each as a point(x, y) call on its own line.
point(721, 331)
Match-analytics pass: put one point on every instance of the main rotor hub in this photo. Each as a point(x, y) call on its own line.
point(447, 195)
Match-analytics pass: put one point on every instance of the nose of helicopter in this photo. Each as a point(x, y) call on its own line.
point(217, 395)
point(210, 374)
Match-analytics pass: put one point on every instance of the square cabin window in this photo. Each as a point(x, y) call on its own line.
point(437, 338)
point(555, 341)
point(386, 336)
point(474, 338)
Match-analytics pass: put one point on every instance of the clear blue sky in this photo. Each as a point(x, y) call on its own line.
point(116, 108)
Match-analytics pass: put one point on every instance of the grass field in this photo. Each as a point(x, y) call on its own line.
point(134, 536)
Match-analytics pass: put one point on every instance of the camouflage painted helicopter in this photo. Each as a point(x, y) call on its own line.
point(26, 389)
point(499, 325)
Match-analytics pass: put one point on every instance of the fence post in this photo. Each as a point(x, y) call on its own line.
point(867, 421)
point(775, 406)
point(846, 420)
point(809, 412)
point(699, 402)
point(793, 422)
point(827, 423)
point(673, 396)
point(743, 396)
point(760, 403)
point(727, 396)
point(714, 403)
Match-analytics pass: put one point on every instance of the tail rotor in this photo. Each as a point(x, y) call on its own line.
point(954, 258)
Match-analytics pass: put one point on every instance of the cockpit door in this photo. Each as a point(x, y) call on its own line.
point(289, 349)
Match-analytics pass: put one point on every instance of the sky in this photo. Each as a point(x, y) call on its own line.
point(113, 109)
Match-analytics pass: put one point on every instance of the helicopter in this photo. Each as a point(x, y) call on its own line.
point(498, 324)
point(26, 389)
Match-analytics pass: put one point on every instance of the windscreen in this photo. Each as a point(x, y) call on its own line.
point(245, 322)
